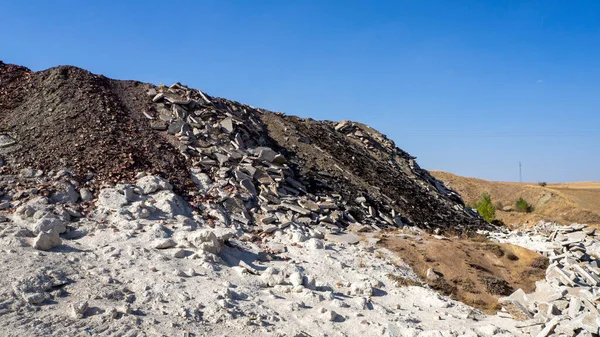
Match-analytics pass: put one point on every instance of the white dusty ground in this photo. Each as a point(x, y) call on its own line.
point(114, 274)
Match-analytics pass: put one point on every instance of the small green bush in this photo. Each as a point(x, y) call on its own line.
point(486, 208)
point(522, 206)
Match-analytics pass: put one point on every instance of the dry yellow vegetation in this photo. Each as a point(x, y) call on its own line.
point(476, 273)
point(564, 203)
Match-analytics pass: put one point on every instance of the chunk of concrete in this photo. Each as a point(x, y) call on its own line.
point(111, 198)
point(49, 224)
point(517, 310)
point(47, 240)
point(348, 238)
point(151, 184)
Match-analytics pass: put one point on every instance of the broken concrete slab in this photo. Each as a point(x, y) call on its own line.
point(348, 238)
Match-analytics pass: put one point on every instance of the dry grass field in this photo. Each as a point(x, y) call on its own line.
point(564, 203)
point(475, 272)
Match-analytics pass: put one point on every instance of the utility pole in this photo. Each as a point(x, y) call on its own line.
point(520, 173)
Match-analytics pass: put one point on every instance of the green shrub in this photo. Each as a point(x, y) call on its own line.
point(522, 206)
point(486, 208)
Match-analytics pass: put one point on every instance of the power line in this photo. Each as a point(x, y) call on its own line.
point(520, 173)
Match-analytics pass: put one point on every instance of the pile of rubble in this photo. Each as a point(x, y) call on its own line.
point(170, 190)
point(129, 259)
point(259, 163)
point(239, 170)
point(566, 302)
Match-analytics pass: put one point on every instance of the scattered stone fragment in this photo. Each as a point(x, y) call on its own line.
point(517, 310)
point(296, 279)
point(432, 275)
point(348, 238)
point(6, 141)
point(574, 306)
point(85, 194)
point(35, 298)
point(165, 244)
point(111, 198)
point(330, 315)
point(48, 225)
point(227, 125)
point(268, 229)
point(64, 193)
point(549, 328)
point(158, 97)
point(151, 184)
point(47, 240)
point(179, 254)
point(78, 309)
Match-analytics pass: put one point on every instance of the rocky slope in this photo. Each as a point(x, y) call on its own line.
point(128, 209)
point(141, 262)
point(105, 130)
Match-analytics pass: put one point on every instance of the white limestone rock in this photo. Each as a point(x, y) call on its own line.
point(49, 224)
point(111, 198)
point(151, 184)
point(296, 279)
point(78, 309)
point(171, 204)
point(65, 193)
point(47, 240)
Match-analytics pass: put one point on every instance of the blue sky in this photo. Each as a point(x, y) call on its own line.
point(470, 87)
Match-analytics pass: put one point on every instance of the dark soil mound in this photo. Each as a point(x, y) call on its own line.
point(357, 161)
point(66, 117)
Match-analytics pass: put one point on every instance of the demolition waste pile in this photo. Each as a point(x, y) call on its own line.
point(129, 209)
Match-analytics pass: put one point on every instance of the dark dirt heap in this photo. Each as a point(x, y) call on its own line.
point(66, 117)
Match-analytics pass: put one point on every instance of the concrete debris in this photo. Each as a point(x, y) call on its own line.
point(223, 143)
point(86, 194)
point(111, 198)
point(78, 309)
point(348, 238)
point(432, 275)
point(165, 244)
point(236, 258)
point(47, 240)
point(151, 184)
point(247, 239)
point(6, 141)
point(565, 302)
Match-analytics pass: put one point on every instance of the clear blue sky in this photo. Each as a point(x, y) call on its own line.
point(470, 87)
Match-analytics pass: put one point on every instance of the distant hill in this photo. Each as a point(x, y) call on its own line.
point(563, 203)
